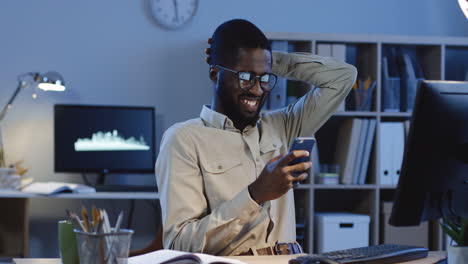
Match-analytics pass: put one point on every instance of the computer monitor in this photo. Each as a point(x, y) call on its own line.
point(434, 175)
point(104, 139)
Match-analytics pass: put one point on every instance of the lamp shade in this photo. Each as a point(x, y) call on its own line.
point(464, 6)
point(50, 81)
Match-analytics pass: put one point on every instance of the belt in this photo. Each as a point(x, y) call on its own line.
point(277, 249)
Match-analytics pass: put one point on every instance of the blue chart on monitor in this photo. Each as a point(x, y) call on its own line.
point(110, 141)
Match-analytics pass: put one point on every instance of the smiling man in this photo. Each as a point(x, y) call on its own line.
point(224, 178)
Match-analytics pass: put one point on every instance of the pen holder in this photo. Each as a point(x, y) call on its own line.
point(8, 179)
point(104, 248)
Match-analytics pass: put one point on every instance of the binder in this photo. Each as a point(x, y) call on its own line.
point(345, 155)
point(390, 88)
point(277, 97)
point(360, 150)
point(338, 51)
point(385, 151)
point(398, 147)
point(367, 151)
point(324, 49)
point(392, 143)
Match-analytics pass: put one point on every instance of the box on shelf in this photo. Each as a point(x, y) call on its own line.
point(337, 231)
point(411, 235)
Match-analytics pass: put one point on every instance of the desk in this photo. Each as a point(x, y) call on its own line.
point(16, 203)
point(434, 257)
point(97, 195)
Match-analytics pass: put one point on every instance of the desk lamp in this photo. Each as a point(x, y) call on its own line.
point(49, 81)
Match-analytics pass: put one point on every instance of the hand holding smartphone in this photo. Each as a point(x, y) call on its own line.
point(302, 143)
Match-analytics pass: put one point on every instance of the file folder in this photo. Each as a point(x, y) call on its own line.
point(409, 83)
point(360, 150)
point(367, 151)
point(346, 148)
point(390, 89)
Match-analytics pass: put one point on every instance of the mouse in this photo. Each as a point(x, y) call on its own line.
point(312, 260)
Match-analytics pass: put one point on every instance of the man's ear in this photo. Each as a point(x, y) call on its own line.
point(213, 74)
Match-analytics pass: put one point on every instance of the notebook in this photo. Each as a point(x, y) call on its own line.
point(51, 187)
point(178, 257)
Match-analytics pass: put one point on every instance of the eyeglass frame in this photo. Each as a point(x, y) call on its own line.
point(255, 78)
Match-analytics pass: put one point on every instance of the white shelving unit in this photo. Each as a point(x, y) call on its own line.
point(435, 54)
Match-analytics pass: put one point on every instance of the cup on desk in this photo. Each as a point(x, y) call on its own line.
point(67, 243)
point(100, 248)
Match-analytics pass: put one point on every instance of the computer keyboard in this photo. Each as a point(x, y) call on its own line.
point(380, 254)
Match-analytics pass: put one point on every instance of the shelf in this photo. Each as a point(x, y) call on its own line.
point(356, 113)
point(303, 186)
point(387, 187)
point(108, 195)
point(97, 195)
point(345, 186)
point(15, 194)
point(395, 114)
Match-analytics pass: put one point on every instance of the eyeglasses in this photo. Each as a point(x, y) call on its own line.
point(247, 79)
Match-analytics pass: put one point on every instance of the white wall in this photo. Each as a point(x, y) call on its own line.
point(110, 52)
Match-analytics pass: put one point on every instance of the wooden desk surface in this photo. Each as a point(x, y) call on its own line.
point(433, 257)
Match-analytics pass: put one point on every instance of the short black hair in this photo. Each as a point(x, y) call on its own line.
point(232, 35)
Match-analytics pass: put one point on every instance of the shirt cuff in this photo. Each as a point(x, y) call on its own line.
point(243, 206)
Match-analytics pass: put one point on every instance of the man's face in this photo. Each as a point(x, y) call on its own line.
point(243, 106)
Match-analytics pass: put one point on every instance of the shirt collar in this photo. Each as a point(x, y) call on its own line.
point(218, 120)
point(213, 118)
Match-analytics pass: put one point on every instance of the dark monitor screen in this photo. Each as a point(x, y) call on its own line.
point(104, 139)
point(434, 176)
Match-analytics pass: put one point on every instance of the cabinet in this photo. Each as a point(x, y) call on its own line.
point(14, 224)
point(439, 58)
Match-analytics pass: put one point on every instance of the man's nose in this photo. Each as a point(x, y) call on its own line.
point(256, 88)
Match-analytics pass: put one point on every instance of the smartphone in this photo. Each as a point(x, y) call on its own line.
point(302, 143)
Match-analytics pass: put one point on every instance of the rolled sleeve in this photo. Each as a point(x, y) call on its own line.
point(243, 206)
point(332, 80)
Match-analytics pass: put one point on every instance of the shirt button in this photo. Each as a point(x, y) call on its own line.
point(220, 167)
point(274, 145)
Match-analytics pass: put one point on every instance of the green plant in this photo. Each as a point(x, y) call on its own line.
point(457, 229)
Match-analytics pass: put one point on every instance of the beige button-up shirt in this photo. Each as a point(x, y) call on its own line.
point(205, 165)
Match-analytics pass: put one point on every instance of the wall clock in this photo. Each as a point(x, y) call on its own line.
point(173, 14)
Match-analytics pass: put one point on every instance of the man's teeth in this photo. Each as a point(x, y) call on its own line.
point(249, 102)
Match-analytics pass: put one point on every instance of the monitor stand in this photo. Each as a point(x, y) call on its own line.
point(101, 186)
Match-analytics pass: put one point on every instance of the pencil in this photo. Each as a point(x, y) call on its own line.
point(84, 213)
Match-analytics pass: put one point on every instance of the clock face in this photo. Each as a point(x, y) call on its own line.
point(173, 14)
